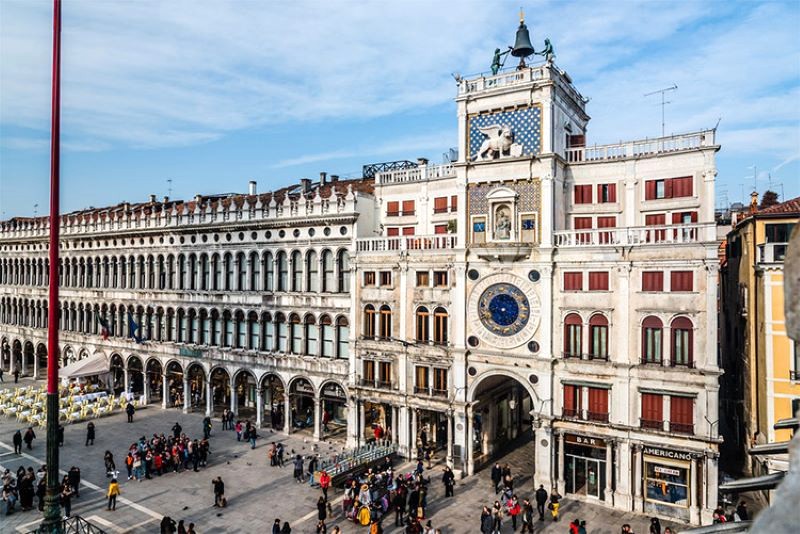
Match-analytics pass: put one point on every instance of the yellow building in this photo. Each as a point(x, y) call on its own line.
point(762, 365)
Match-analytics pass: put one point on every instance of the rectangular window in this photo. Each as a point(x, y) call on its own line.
point(408, 207)
point(528, 228)
point(393, 231)
point(439, 380)
point(606, 193)
point(681, 187)
point(681, 281)
point(573, 281)
point(479, 230)
point(369, 278)
point(598, 405)
point(440, 205)
point(778, 233)
point(583, 194)
point(576, 141)
point(385, 374)
point(392, 208)
point(454, 203)
point(421, 374)
point(440, 278)
point(681, 415)
point(386, 278)
point(583, 223)
point(440, 229)
point(423, 279)
point(652, 411)
point(652, 281)
point(668, 188)
point(368, 374)
point(408, 230)
point(598, 281)
point(667, 483)
point(607, 222)
point(572, 400)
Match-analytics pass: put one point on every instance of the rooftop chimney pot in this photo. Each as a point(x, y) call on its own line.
point(306, 183)
point(323, 176)
point(152, 198)
point(334, 178)
point(421, 162)
point(252, 187)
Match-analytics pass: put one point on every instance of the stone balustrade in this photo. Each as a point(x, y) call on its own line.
point(637, 235)
point(407, 243)
point(641, 148)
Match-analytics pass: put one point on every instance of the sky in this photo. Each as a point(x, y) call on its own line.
point(179, 98)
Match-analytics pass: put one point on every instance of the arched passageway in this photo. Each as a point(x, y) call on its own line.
point(117, 371)
point(244, 395)
point(174, 385)
point(220, 389)
point(154, 381)
point(273, 395)
point(135, 376)
point(301, 403)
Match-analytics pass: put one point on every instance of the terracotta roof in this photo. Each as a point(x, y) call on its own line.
point(790, 207)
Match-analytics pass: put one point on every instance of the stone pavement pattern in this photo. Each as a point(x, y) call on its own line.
point(256, 493)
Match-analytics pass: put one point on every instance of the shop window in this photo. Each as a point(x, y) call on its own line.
point(423, 278)
point(652, 281)
point(681, 281)
point(606, 193)
point(392, 208)
point(369, 321)
point(652, 411)
point(440, 205)
point(385, 322)
point(583, 194)
point(666, 483)
point(408, 207)
point(369, 278)
point(652, 332)
point(572, 401)
point(598, 337)
point(479, 230)
point(598, 405)
point(439, 278)
point(573, 281)
point(439, 381)
point(385, 374)
point(440, 319)
point(681, 329)
point(572, 335)
point(681, 415)
point(422, 317)
point(386, 278)
point(598, 281)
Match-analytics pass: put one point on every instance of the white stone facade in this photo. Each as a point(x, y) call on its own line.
point(551, 291)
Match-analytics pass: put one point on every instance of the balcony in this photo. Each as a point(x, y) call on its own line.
point(439, 392)
point(375, 384)
point(651, 424)
point(420, 173)
point(674, 234)
point(641, 148)
point(597, 417)
point(584, 415)
point(406, 243)
point(570, 413)
point(681, 428)
point(772, 252)
point(569, 355)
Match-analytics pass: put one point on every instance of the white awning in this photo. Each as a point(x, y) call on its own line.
point(93, 365)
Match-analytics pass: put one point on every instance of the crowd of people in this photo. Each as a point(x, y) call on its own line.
point(28, 485)
point(162, 454)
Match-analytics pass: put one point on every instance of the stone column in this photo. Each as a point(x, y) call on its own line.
point(209, 398)
point(638, 503)
point(317, 418)
point(712, 486)
point(395, 425)
point(145, 389)
point(412, 449)
point(450, 438)
point(694, 510)
point(609, 497)
point(259, 407)
point(187, 394)
point(561, 482)
point(35, 366)
point(287, 413)
point(125, 375)
point(164, 391)
point(402, 431)
point(469, 464)
point(234, 401)
point(361, 418)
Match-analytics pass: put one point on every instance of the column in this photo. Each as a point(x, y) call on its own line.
point(450, 438)
point(712, 486)
point(259, 407)
point(560, 483)
point(638, 503)
point(209, 398)
point(164, 391)
point(145, 389)
point(694, 511)
point(412, 447)
point(402, 431)
point(609, 499)
point(317, 418)
point(35, 366)
point(125, 376)
point(234, 402)
point(187, 394)
point(25, 362)
point(361, 418)
point(468, 464)
point(395, 425)
point(287, 413)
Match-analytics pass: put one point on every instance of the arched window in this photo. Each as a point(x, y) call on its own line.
point(312, 272)
point(181, 271)
point(385, 322)
point(440, 326)
point(342, 337)
point(216, 273)
point(311, 335)
point(205, 273)
point(282, 330)
point(283, 271)
point(598, 337)
point(297, 271)
point(169, 325)
point(216, 328)
point(228, 271)
point(423, 328)
point(192, 272)
point(241, 330)
point(268, 332)
point(142, 274)
point(328, 337)
point(131, 273)
point(269, 272)
point(573, 325)
point(204, 331)
point(254, 330)
point(652, 335)
point(89, 273)
point(170, 272)
point(344, 271)
point(296, 334)
point(328, 273)
point(162, 273)
point(254, 266)
point(227, 329)
point(151, 272)
point(369, 321)
point(241, 272)
point(193, 326)
point(682, 345)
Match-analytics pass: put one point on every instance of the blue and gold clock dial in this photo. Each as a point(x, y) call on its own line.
point(503, 309)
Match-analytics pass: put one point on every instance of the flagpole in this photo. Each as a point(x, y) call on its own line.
point(52, 509)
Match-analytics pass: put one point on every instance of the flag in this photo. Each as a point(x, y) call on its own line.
point(105, 330)
point(134, 328)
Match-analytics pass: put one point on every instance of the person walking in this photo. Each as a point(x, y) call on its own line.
point(207, 427)
point(130, 410)
point(113, 491)
point(742, 511)
point(286, 529)
point(16, 376)
point(324, 483)
point(449, 481)
point(276, 526)
point(514, 510)
point(89, 434)
point(176, 430)
point(224, 419)
point(111, 467)
point(527, 516)
point(17, 439)
point(181, 527)
point(322, 509)
point(219, 491)
point(191, 529)
point(399, 503)
point(252, 435)
point(311, 469)
point(486, 521)
point(30, 435)
point(555, 498)
point(541, 501)
point(74, 476)
point(167, 525)
point(655, 526)
point(66, 500)
point(497, 476)
point(298, 468)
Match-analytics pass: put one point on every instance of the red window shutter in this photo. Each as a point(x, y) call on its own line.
point(408, 207)
point(453, 202)
point(652, 407)
point(681, 281)
point(440, 204)
point(393, 231)
point(598, 281)
point(612, 192)
point(694, 216)
point(681, 410)
point(650, 190)
point(573, 281)
point(655, 220)
point(680, 187)
point(569, 397)
point(392, 208)
point(607, 222)
point(583, 194)
point(677, 217)
point(582, 223)
point(408, 230)
point(598, 400)
point(440, 229)
point(652, 281)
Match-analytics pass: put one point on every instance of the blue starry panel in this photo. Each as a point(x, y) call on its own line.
point(525, 123)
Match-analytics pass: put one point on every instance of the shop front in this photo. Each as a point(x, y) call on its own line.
point(670, 482)
point(585, 467)
point(334, 407)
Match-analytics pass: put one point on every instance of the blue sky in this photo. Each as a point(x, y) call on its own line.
point(213, 94)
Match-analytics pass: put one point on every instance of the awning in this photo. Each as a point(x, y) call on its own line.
point(93, 365)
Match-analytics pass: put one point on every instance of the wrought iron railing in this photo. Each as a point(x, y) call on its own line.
point(72, 525)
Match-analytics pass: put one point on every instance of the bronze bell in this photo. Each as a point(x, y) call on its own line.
point(522, 47)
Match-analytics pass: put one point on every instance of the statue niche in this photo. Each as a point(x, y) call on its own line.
point(502, 223)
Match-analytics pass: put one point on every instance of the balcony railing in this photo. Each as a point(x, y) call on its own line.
point(568, 355)
point(641, 148)
point(401, 243)
point(674, 234)
point(652, 424)
point(415, 174)
point(681, 428)
point(772, 252)
point(690, 364)
point(439, 392)
point(650, 361)
point(569, 413)
point(598, 417)
point(421, 390)
point(682, 363)
point(584, 415)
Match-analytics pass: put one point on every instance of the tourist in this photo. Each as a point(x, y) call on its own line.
point(66, 500)
point(655, 526)
point(514, 510)
point(322, 509)
point(130, 410)
point(286, 528)
point(527, 516)
point(742, 511)
point(280, 454)
point(272, 454)
point(207, 427)
point(89, 434)
point(167, 525)
point(554, 504)
point(41, 491)
point(224, 419)
point(191, 529)
point(668, 531)
point(508, 479)
point(321, 528)
point(181, 527)
point(238, 429)
point(74, 475)
point(336, 530)
point(16, 376)
point(298, 468)
point(276, 526)
point(30, 435)
point(497, 516)
point(541, 501)
point(487, 521)
point(399, 503)
point(626, 529)
point(449, 481)
point(219, 491)
point(17, 439)
point(324, 483)
point(252, 435)
point(582, 527)
point(497, 476)
point(113, 491)
point(176, 430)
point(312, 468)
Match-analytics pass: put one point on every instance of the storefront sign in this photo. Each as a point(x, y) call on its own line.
point(665, 453)
point(192, 353)
point(585, 441)
point(333, 391)
point(667, 471)
point(301, 386)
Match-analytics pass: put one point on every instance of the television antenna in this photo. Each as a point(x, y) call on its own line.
point(664, 102)
point(169, 187)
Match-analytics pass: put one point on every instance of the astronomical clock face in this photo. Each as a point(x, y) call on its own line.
point(505, 310)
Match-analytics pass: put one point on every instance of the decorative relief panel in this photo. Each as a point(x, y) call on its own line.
point(509, 133)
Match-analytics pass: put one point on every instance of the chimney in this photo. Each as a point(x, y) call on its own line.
point(753, 202)
point(323, 177)
point(421, 162)
point(198, 198)
point(251, 189)
point(166, 199)
point(152, 199)
point(334, 178)
point(306, 183)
